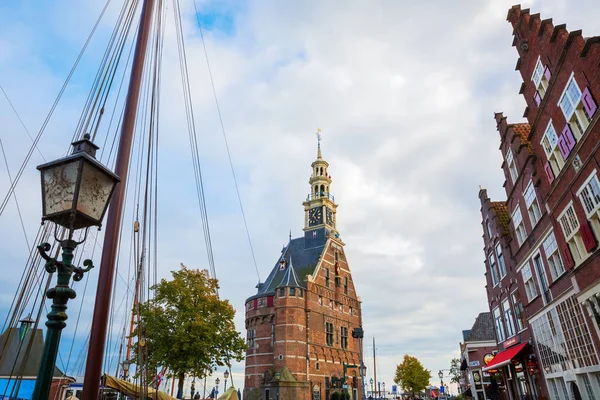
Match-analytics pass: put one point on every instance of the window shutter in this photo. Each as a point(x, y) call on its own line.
point(547, 73)
point(588, 236)
point(588, 102)
point(568, 258)
point(549, 173)
point(566, 142)
point(537, 98)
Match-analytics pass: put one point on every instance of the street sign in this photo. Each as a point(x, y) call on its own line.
point(394, 389)
point(441, 389)
point(345, 386)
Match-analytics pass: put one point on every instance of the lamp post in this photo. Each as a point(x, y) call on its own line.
point(363, 372)
point(76, 190)
point(126, 364)
point(371, 382)
point(441, 375)
point(383, 385)
point(226, 376)
point(217, 381)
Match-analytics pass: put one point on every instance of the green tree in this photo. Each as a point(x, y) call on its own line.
point(187, 328)
point(455, 373)
point(411, 375)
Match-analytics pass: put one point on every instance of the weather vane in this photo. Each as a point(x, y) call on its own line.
point(319, 136)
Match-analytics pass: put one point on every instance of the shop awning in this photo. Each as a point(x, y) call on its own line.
point(504, 357)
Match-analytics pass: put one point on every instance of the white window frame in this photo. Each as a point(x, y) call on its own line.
point(512, 166)
point(539, 79)
point(589, 196)
point(549, 143)
point(493, 269)
point(489, 228)
point(517, 220)
point(499, 325)
point(533, 206)
point(572, 108)
point(569, 224)
point(542, 277)
point(530, 286)
point(557, 267)
point(508, 318)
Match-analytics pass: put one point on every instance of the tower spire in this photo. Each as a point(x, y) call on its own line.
point(319, 157)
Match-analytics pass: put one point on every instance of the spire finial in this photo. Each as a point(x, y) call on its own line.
point(318, 143)
point(290, 235)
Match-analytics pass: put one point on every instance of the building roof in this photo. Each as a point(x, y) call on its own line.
point(305, 259)
point(502, 213)
point(13, 347)
point(522, 131)
point(483, 329)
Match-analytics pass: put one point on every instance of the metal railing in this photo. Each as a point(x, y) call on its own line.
point(320, 195)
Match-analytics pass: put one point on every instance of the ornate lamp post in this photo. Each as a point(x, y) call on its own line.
point(126, 364)
point(441, 375)
point(76, 191)
point(383, 385)
point(363, 372)
point(193, 388)
point(226, 376)
point(371, 382)
point(217, 381)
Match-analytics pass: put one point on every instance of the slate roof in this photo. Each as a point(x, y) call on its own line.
point(304, 262)
point(13, 349)
point(483, 329)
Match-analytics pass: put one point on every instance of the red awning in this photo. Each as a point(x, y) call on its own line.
point(504, 357)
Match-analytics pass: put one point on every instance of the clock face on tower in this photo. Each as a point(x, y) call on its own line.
point(315, 216)
point(329, 217)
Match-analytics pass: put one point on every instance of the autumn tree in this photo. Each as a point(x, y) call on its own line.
point(411, 375)
point(187, 328)
point(455, 373)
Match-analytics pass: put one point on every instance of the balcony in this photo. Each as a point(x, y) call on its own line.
point(320, 195)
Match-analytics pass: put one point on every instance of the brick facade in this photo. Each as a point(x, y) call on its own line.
point(548, 227)
point(299, 324)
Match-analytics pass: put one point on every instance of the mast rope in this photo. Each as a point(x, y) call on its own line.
point(212, 82)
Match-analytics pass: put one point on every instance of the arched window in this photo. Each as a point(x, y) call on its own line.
point(316, 189)
point(321, 173)
point(323, 188)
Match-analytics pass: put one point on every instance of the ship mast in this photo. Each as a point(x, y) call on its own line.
point(97, 342)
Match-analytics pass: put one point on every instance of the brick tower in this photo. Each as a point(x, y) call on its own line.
point(300, 322)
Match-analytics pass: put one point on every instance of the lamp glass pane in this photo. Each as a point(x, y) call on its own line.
point(94, 192)
point(59, 187)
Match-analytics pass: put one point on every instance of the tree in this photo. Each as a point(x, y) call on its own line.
point(411, 375)
point(187, 328)
point(455, 373)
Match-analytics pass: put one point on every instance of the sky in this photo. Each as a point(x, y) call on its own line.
point(405, 94)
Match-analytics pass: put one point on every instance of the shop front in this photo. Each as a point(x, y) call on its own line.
point(512, 372)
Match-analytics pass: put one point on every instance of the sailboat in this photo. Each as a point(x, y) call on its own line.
point(20, 345)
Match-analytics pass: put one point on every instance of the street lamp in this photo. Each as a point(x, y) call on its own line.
point(383, 385)
point(441, 375)
point(126, 364)
point(363, 372)
point(371, 382)
point(225, 375)
point(217, 381)
point(76, 191)
point(193, 388)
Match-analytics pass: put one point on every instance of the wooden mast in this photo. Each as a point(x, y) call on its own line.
point(375, 369)
point(97, 343)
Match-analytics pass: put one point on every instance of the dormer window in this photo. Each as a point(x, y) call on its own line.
point(281, 265)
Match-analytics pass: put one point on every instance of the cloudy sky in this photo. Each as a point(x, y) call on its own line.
point(405, 94)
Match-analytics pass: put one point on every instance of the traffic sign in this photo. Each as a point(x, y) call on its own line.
point(394, 389)
point(441, 389)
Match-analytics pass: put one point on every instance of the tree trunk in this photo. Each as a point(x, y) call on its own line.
point(181, 378)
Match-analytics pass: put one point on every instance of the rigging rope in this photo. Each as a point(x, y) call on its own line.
point(212, 82)
point(51, 112)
